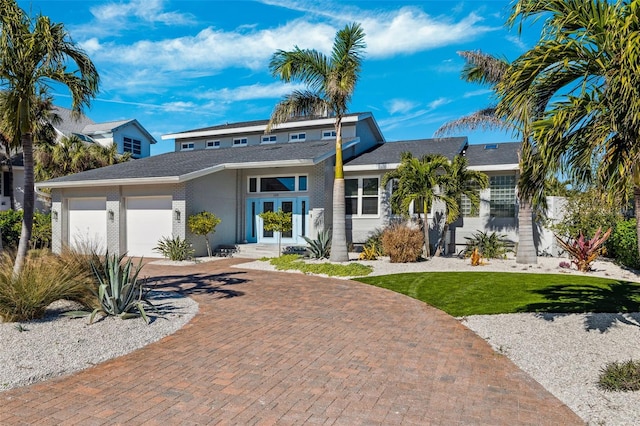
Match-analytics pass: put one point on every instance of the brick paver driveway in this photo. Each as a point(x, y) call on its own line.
point(279, 348)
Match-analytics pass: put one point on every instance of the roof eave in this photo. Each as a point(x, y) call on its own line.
point(110, 182)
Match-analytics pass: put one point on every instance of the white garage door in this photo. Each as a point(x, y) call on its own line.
point(148, 220)
point(88, 224)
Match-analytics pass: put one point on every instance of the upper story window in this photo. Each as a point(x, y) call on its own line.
point(187, 146)
point(133, 146)
point(328, 134)
point(297, 137)
point(213, 144)
point(269, 139)
point(362, 196)
point(503, 196)
point(239, 141)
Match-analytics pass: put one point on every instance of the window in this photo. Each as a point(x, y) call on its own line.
point(361, 196)
point(277, 184)
point(186, 146)
point(503, 196)
point(239, 141)
point(465, 204)
point(297, 137)
point(133, 146)
point(213, 144)
point(269, 139)
point(328, 134)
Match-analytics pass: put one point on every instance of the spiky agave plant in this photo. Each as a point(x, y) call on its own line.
point(320, 248)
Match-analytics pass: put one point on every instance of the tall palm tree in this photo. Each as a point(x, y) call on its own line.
point(586, 61)
point(490, 70)
point(331, 82)
point(417, 184)
point(34, 52)
point(460, 181)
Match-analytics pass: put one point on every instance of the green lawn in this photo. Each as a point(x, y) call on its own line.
point(481, 293)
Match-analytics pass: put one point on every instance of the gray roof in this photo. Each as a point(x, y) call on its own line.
point(391, 152)
point(179, 164)
point(493, 153)
point(70, 124)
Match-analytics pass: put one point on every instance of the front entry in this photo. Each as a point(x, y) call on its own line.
point(299, 209)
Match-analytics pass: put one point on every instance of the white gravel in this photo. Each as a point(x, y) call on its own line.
point(563, 352)
point(57, 345)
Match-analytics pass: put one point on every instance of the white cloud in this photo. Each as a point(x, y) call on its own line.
point(474, 93)
point(151, 11)
point(438, 103)
point(254, 91)
point(402, 106)
point(517, 42)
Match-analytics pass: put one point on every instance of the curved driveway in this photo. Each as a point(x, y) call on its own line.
point(280, 348)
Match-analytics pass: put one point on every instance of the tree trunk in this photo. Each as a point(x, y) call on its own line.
point(339, 252)
point(526, 246)
point(27, 204)
point(9, 185)
point(443, 240)
point(425, 229)
point(636, 201)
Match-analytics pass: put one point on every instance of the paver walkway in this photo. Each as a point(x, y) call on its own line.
point(280, 348)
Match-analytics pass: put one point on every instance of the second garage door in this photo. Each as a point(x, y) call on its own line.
point(88, 224)
point(148, 219)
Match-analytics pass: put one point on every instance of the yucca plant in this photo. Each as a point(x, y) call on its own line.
point(320, 248)
point(585, 251)
point(175, 248)
point(119, 291)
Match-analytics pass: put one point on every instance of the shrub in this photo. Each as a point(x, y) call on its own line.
point(41, 232)
point(623, 244)
point(320, 248)
point(624, 376)
point(490, 246)
point(402, 243)
point(293, 262)
point(120, 293)
point(10, 226)
point(585, 251)
point(174, 248)
point(43, 280)
point(278, 221)
point(370, 252)
point(203, 224)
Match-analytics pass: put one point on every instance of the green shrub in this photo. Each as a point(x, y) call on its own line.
point(174, 248)
point(402, 243)
point(620, 376)
point(320, 248)
point(43, 280)
point(10, 226)
point(490, 246)
point(623, 244)
point(41, 232)
point(294, 262)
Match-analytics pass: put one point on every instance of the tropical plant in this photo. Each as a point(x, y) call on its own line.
point(623, 244)
point(620, 376)
point(331, 82)
point(120, 292)
point(459, 181)
point(33, 53)
point(203, 224)
point(41, 233)
point(490, 246)
point(370, 252)
point(174, 248)
point(584, 251)
point(402, 243)
point(320, 248)
point(586, 61)
point(418, 180)
point(490, 70)
point(278, 221)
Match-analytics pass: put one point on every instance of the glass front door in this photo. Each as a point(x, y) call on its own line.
point(298, 207)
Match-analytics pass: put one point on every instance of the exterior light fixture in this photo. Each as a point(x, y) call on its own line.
point(177, 215)
point(55, 215)
point(111, 215)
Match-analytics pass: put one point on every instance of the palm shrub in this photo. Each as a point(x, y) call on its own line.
point(623, 244)
point(490, 246)
point(402, 243)
point(174, 248)
point(120, 293)
point(320, 248)
point(43, 280)
point(584, 251)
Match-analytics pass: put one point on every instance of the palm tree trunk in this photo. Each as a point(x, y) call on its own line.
point(9, 185)
point(526, 246)
point(339, 251)
point(27, 204)
point(425, 229)
point(443, 240)
point(636, 200)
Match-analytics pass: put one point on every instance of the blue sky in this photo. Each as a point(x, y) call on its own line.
point(180, 65)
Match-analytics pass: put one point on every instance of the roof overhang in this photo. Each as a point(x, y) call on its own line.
point(496, 167)
point(393, 166)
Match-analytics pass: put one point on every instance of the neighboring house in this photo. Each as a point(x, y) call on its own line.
point(128, 135)
point(237, 171)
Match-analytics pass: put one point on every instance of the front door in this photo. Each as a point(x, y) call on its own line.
point(298, 207)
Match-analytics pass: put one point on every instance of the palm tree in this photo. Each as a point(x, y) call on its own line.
point(460, 181)
point(489, 70)
point(331, 82)
point(34, 52)
point(417, 184)
point(586, 61)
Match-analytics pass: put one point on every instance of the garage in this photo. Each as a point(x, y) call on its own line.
point(88, 224)
point(148, 219)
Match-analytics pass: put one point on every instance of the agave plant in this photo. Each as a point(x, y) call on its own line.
point(119, 291)
point(320, 248)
